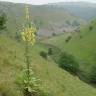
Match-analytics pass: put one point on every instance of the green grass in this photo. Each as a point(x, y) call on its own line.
point(56, 80)
point(59, 82)
point(84, 48)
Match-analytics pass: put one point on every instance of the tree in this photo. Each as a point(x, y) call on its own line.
point(3, 19)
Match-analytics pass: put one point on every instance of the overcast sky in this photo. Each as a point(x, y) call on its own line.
point(36, 2)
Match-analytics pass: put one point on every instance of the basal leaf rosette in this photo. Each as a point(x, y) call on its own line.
point(28, 34)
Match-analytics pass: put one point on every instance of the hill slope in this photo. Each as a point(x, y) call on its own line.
point(82, 45)
point(49, 20)
point(58, 81)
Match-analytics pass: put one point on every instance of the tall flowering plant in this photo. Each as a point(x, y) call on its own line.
point(28, 36)
point(28, 82)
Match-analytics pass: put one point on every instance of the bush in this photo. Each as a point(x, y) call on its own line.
point(81, 36)
point(3, 21)
point(90, 28)
point(50, 52)
point(43, 54)
point(68, 39)
point(93, 75)
point(53, 34)
point(68, 63)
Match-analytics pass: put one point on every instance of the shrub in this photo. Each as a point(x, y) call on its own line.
point(68, 63)
point(53, 34)
point(3, 21)
point(81, 36)
point(90, 28)
point(92, 76)
point(50, 51)
point(43, 54)
point(68, 39)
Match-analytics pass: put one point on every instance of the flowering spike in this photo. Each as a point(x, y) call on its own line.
point(28, 34)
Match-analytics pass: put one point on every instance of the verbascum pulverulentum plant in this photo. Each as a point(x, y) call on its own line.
point(27, 81)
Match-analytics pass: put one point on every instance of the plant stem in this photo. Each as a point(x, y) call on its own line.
point(27, 57)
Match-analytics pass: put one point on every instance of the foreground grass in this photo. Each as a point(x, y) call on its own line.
point(56, 80)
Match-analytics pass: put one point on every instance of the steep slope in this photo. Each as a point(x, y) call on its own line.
point(82, 45)
point(49, 20)
point(58, 81)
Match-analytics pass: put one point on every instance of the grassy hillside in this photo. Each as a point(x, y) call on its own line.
point(56, 80)
point(82, 45)
point(49, 20)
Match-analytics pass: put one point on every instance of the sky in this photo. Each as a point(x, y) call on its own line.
point(39, 2)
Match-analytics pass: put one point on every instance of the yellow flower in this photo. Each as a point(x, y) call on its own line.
point(28, 34)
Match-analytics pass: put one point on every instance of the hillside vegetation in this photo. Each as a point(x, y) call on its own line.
point(53, 79)
point(62, 83)
point(82, 45)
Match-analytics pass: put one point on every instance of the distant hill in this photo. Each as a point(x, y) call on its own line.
point(49, 20)
point(84, 10)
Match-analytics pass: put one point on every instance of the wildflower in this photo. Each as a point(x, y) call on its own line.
point(28, 34)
